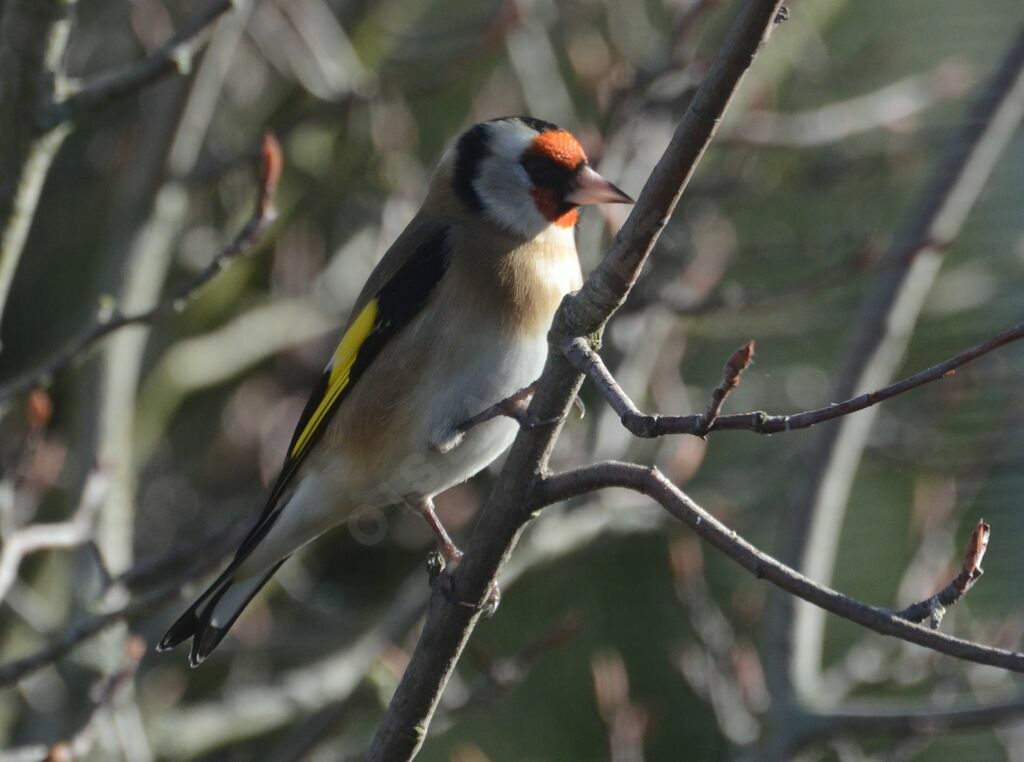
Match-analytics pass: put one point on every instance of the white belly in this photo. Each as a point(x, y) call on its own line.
point(494, 376)
point(495, 373)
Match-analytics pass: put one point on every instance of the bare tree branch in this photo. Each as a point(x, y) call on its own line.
point(104, 694)
point(448, 626)
point(65, 534)
point(652, 483)
point(835, 122)
point(589, 362)
point(112, 319)
point(33, 40)
point(77, 632)
point(174, 57)
point(874, 351)
point(934, 608)
point(918, 720)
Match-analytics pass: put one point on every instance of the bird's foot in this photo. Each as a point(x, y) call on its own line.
point(441, 576)
point(441, 563)
point(515, 407)
point(581, 409)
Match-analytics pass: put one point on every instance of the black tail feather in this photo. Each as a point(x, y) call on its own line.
point(196, 622)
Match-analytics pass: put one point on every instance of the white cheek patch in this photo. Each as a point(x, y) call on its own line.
point(504, 187)
point(503, 184)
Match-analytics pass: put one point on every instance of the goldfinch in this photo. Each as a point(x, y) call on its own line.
point(452, 321)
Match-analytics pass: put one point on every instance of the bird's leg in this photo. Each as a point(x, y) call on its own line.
point(450, 557)
point(425, 507)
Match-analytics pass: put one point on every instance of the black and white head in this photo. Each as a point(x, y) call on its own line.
point(526, 175)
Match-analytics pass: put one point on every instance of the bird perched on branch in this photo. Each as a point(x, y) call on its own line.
point(437, 356)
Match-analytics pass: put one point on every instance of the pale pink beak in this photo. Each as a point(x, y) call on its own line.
point(590, 188)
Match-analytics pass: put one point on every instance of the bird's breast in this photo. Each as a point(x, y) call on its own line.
point(533, 279)
point(482, 337)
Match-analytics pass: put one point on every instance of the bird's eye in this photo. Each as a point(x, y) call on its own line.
point(543, 172)
point(534, 165)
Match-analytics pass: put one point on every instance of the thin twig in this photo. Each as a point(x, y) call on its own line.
point(70, 636)
point(649, 481)
point(104, 695)
point(512, 406)
point(173, 57)
point(934, 608)
point(738, 362)
point(65, 534)
point(111, 319)
point(587, 361)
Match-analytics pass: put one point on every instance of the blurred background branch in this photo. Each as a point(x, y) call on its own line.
point(33, 41)
point(40, 102)
point(874, 350)
point(111, 318)
point(132, 129)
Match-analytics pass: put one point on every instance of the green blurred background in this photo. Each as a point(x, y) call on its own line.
point(364, 97)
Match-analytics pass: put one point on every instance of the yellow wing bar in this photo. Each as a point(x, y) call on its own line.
point(341, 366)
